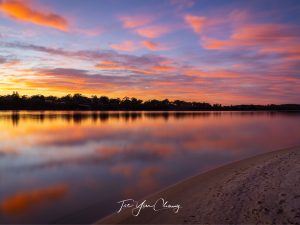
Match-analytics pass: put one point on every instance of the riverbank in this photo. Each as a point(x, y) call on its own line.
point(262, 189)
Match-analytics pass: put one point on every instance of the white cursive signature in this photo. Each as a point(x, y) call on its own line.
point(159, 205)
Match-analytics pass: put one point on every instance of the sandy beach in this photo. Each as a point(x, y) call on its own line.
point(263, 189)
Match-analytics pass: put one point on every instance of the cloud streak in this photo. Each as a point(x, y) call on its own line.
point(153, 46)
point(21, 11)
point(94, 55)
point(153, 31)
point(135, 21)
point(269, 39)
point(126, 46)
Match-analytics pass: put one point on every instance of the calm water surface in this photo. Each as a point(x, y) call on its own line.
point(67, 167)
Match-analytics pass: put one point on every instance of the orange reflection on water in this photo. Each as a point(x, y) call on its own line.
point(107, 156)
point(24, 201)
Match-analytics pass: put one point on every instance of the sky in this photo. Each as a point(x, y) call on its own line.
point(217, 51)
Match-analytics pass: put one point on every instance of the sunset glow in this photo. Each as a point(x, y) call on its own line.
point(228, 52)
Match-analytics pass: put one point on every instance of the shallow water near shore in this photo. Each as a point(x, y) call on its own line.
point(67, 167)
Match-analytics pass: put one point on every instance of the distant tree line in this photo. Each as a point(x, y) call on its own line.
point(81, 102)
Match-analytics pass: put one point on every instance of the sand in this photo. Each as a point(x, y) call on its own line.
point(263, 189)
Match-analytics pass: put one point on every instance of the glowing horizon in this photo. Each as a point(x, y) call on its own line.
point(227, 52)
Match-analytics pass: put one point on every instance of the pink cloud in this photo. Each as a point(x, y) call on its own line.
point(195, 22)
point(127, 46)
point(153, 46)
point(261, 32)
point(267, 38)
point(135, 21)
point(153, 31)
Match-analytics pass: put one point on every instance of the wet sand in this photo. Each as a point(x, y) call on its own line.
point(263, 189)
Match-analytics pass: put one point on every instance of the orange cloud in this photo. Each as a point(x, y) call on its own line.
point(211, 74)
point(195, 22)
point(135, 21)
point(20, 11)
point(153, 46)
point(21, 202)
point(211, 43)
point(161, 68)
point(108, 64)
point(126, 46)
point(153, 31)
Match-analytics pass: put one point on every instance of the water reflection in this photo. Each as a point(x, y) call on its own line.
point(71, 167)
point(78, 117)
point(22, 202)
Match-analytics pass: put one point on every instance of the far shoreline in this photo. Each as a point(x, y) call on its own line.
point(78, 101)
point(129, 110)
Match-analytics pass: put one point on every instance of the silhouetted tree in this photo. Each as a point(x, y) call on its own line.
point(81, 102)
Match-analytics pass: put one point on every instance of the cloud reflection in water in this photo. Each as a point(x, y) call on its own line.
point(102, 157)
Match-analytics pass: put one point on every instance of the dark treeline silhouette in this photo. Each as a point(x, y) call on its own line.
point(80, 102)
